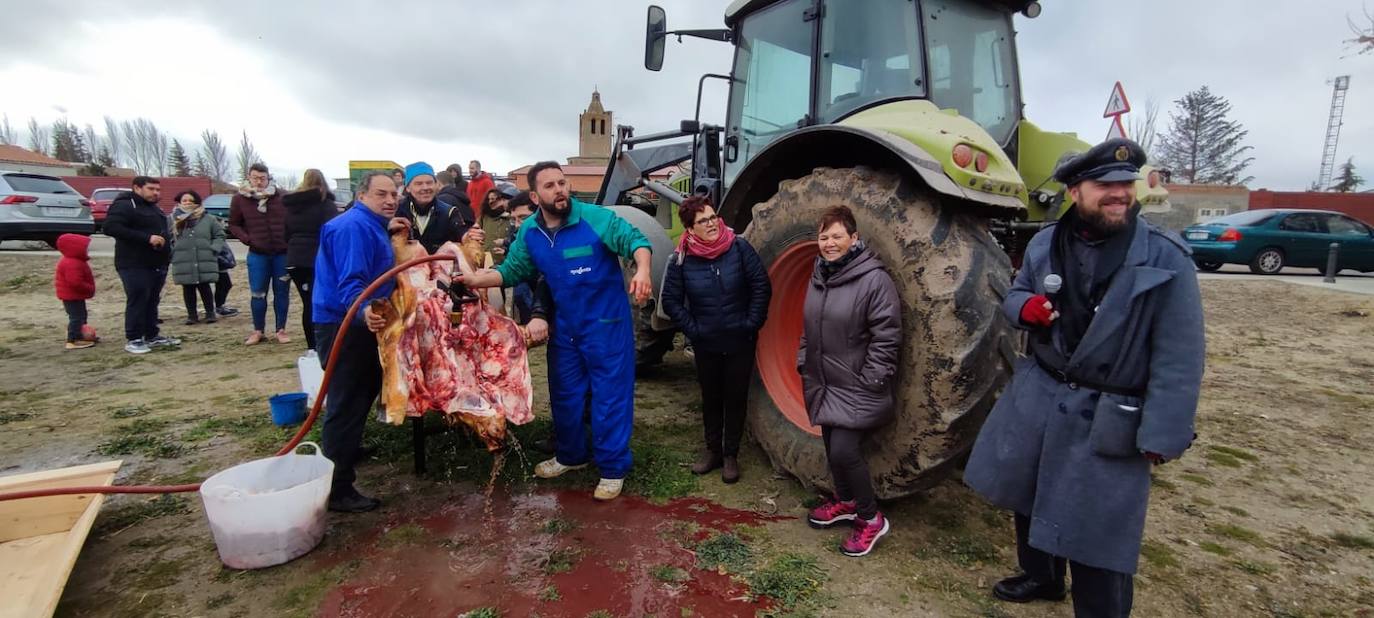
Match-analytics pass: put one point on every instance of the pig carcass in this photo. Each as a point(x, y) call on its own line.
point(472, 365)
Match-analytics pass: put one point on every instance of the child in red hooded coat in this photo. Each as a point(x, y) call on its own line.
point(75, 284)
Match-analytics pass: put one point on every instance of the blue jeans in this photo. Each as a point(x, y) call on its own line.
point(523, 297)
point(262, 269)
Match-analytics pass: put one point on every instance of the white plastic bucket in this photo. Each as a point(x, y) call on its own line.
point(309, 367)
point(270, 511)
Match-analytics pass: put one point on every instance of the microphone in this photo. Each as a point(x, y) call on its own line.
point(1053, 283)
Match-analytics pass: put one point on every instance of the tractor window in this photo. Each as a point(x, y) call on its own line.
point(972, 68)
point(772, 78)
point(870, 51)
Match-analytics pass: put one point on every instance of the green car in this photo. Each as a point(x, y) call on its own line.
point(1268, 240)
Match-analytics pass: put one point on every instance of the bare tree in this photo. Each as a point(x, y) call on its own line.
point(93, 142)
point(161, 148)
point(7, 136)
point(247, 157)
point(145, 145)
point(1142, 128)
point(287, 181)
point(215, 154)
point(112, 140)
point(1364, 33)
point(38, 137)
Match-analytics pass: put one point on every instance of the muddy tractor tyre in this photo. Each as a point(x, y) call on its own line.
point(957, 351)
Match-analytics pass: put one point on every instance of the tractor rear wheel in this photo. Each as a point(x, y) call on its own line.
point(957, 351)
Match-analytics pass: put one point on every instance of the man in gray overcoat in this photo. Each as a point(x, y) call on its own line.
point(1109, 387)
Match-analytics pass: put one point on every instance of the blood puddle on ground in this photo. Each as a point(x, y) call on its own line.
point(546, 554)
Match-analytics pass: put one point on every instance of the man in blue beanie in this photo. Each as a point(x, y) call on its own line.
point(433, 221)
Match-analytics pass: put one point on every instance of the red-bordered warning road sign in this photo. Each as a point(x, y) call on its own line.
point(1117, 103)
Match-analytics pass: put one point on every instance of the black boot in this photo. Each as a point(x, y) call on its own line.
point(730, 471)
point(350, 501)
point(709, 460)
point(545, 446)
point(1023, 589)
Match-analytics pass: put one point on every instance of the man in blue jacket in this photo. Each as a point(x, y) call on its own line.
point(577, 248)
point(1109, 389)
point(355, 249)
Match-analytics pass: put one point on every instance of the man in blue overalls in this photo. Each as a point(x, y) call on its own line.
point(577, 248)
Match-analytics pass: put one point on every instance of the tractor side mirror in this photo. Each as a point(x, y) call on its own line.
point(655, 37)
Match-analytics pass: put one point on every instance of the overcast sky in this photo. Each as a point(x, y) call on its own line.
point(316, 84)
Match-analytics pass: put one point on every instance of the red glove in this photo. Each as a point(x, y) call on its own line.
point(1038, 312)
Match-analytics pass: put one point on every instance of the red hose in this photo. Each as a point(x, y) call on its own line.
point(290, 445)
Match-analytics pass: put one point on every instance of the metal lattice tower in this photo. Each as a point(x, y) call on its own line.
point(1333, 131)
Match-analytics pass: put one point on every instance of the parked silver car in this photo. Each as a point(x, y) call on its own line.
point(41, 207)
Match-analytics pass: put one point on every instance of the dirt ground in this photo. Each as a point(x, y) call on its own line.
point(1270, 514)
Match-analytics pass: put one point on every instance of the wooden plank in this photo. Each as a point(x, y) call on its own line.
point(37, 516)
point(34, 570)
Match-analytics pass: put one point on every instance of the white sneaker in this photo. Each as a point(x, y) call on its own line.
point(550, 468)
point(608, 489)
point(137, 346)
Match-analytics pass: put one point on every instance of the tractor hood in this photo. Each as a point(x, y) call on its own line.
point(938, 132)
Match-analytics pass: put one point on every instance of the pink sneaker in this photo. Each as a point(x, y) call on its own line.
point(865, 535)
point(832, 512)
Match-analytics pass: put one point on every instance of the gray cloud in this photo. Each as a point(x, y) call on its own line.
point(513, 75)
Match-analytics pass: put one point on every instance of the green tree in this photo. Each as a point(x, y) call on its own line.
point(1346, 179)
point(198, 167)
point(1203, 145)
point(67, 142)
point(177, 161)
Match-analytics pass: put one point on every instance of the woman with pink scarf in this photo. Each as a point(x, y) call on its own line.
point(717, 292)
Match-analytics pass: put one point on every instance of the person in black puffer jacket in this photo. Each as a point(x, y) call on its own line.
point(717, 291)
point(307, 209)
point(142, 252)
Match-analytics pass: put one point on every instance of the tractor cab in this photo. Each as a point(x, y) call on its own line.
point(800, 63)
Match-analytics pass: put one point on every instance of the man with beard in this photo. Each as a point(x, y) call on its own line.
point(577, 248)
point(478, 184)
point(142, 252)
point(1109, 389)
point(432, 221)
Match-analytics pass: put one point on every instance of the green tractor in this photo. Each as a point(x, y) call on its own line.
point(910, 113)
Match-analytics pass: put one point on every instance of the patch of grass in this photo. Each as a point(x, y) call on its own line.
point(1234, 452)
point(1203, 501)
point(550, 594)
point(157, 574)
point(562, 560)
point(1353, 541)
point(1238, 533)
point(219, 601)
point(558, 525)
point(482, 612)
point(790, 579)
point(668, 573)
point(1197, 479)
point(659, 473)
point(964, 550)
point(303, 599)
point(227, 377)
point(1158, 555)
point(1235, 510)
point(154, 446)
point(1167, 485)
point(404, 534)
point(1215, 548)
point(14, 417)
point(1223, 459)
point(143, 510)
point(724, 551)
point(1254, 567)
point(600, 613)
point(15, 283)
point(129, 411)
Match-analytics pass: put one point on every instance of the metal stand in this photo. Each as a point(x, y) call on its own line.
point(1331, 262)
